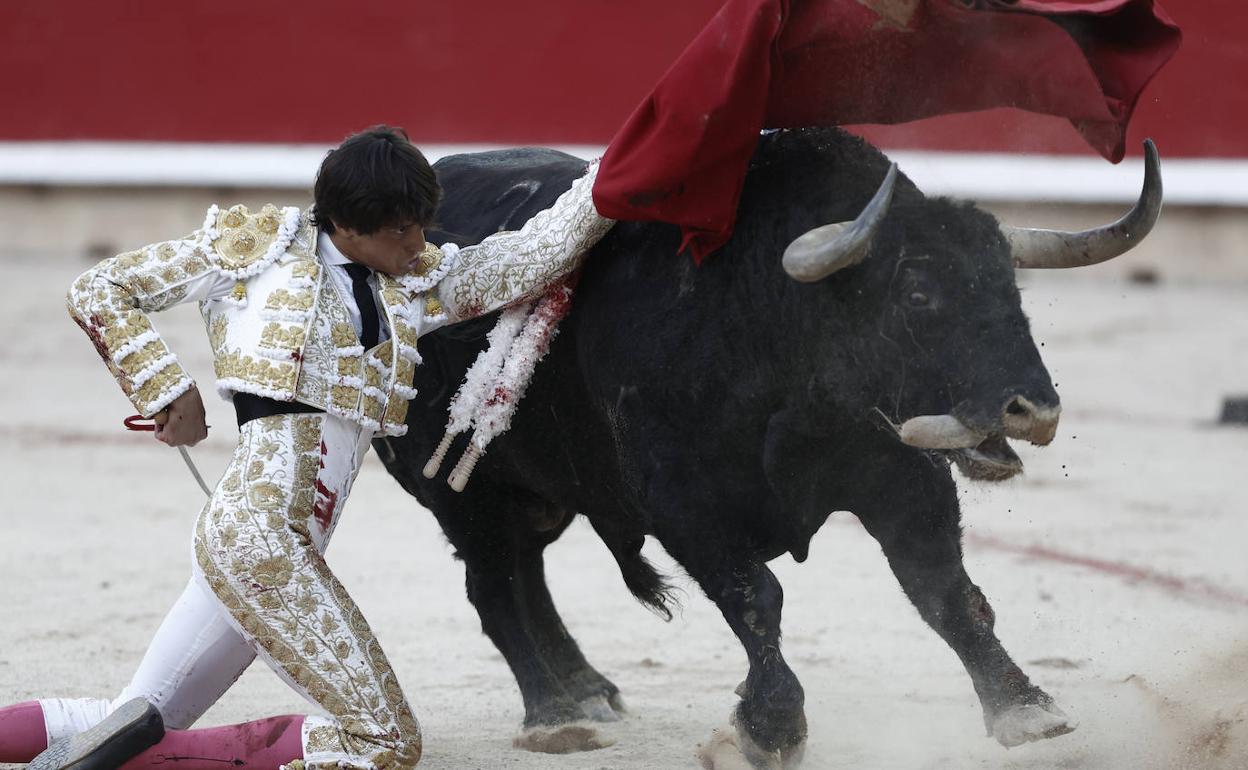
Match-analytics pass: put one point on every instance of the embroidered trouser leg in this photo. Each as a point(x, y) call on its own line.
point(257, 549)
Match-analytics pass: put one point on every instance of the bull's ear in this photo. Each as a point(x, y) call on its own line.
point(819, 253)
point(1056, 248)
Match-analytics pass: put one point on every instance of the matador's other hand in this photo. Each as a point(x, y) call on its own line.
point(183, 422)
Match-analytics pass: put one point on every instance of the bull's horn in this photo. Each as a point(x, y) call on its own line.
point(819, 253)
point(938, 431)
point(1055, 248)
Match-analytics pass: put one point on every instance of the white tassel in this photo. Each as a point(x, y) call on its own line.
point(481, 376)
point(493, 412)
point(439, 455)
point(463, 469)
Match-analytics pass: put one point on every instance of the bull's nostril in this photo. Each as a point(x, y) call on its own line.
point(1017, 409)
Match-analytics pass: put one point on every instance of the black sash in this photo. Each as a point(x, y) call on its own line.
point(249, 407)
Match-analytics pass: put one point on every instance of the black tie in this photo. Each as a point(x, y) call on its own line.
point(369, 322)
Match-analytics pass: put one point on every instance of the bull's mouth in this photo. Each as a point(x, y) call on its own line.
point(990, 460)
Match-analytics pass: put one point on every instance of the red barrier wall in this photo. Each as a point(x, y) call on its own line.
point(560, 71)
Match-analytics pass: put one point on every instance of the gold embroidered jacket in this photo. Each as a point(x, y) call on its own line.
point(277, 325)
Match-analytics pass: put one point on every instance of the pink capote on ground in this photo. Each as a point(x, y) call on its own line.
point(681, 156)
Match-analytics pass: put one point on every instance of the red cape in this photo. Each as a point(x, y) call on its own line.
point(681, 156)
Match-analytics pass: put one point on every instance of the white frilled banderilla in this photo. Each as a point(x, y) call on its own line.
point(496, 381)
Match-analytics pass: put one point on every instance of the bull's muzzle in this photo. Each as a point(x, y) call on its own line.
point(1027, 421)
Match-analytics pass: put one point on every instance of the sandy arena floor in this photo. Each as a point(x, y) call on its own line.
point(1116, 566)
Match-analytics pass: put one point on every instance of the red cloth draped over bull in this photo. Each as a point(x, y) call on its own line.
point(681, 156)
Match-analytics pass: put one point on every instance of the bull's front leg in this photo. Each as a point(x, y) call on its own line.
point(916, 522)
point(770, 719)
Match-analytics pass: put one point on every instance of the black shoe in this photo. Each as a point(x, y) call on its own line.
point(125, 732)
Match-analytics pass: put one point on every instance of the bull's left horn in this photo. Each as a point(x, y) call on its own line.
point(819, 253)
point(1056, 248)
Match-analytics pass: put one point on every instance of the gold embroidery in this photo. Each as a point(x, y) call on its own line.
point(430, 260)
point(275, 335)
point(433, 306)
point(305, 269)
point(164, 380)
point(373, 408)
point(281, 299)
point(345, 398)
point(217, 333)
point(349, 366)
point(275, 375)
point(394, 297)
point(406, 372)
point(144, 356)
point(344, 336)
point(406, 334)
point(245, 237)
point(396, 411)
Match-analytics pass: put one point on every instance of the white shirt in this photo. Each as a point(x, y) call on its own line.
point(337, 262)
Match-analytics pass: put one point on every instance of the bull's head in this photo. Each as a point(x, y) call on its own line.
point(998, 389)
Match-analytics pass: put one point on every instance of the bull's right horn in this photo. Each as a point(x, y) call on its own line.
point(938, 431)
point(819, 253)
point(1056, 249)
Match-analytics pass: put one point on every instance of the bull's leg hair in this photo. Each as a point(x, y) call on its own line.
point(917, 526)
point(486, 545)
point(557, 646)
point(772, 708)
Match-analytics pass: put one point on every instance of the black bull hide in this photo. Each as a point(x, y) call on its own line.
point(726, 410)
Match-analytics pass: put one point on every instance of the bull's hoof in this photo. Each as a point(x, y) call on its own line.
point(1030, 722)
point(553, 713)
point(564, 739)
point(733, 749)
point(721, 752)
point(599, 709)
point(617, 703)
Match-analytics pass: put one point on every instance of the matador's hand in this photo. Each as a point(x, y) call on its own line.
point(183, 422)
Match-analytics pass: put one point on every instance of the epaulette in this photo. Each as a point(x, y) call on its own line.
point(241, 244)
point(433, 266)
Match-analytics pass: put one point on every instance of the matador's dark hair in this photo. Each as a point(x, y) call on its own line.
point(374, 179)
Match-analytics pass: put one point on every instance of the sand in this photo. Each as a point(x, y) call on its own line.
point(1116, 565)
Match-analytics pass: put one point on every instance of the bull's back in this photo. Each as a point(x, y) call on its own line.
point(485, 192)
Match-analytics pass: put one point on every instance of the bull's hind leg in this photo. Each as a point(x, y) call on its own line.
point(597, 696)
point(917, 525)
point(482, 534)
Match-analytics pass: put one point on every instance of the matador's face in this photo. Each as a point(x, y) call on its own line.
point(393, 250)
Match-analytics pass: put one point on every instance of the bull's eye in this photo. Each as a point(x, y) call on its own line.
point(918, 299)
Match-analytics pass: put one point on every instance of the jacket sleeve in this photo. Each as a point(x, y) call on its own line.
point(520, 264)
point(111, 302)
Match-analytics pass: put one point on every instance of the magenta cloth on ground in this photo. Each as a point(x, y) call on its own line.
point(681, 156)
point(265, 744)
point(22, 733)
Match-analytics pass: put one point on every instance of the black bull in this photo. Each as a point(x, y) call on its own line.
point(727, 409)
